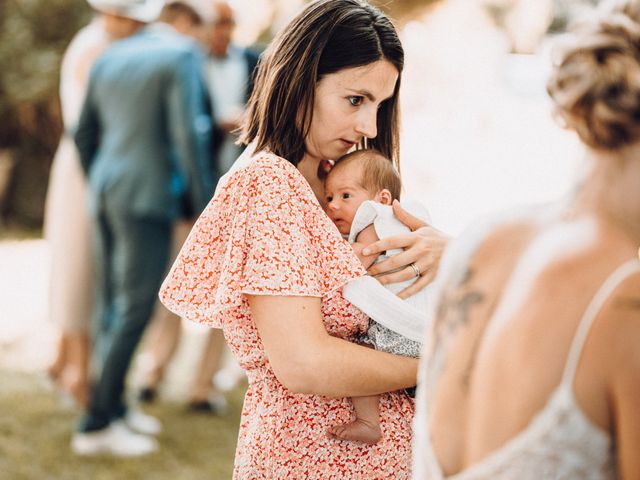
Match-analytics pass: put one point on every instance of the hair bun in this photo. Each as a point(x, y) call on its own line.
point(596, 80)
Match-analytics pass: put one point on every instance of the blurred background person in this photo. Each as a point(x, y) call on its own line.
point(144, 141)
point(229, 75)
point(67, 226)
point(185, 18)
point(533, 369)
point(164, 332)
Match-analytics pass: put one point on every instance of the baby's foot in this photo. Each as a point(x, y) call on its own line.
point(358, 431)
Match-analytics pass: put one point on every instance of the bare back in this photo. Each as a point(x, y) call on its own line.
point(503, 333)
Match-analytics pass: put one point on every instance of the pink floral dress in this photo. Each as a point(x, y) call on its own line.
point(265, 233)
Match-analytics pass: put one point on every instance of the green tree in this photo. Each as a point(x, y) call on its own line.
point(33, 36)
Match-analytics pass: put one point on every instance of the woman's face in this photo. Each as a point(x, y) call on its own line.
point(346, 107)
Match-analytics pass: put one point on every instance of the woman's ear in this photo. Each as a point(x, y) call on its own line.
point(384, 197)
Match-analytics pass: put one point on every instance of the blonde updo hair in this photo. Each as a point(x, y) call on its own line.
point(596, 79)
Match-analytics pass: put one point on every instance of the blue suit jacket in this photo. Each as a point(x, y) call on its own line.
point(144, 134)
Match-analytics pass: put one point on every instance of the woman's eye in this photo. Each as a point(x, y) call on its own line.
point(355, 101)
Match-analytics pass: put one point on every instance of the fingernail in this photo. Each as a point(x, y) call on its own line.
point(366, 251)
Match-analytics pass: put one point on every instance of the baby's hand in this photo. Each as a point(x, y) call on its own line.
point(366, 260)
point(366, 237)
point(423, 249)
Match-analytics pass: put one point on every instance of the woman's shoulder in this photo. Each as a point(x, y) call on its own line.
point(621, 316)
point(264, 174)
point(265, 166)
point(266, 185)
point(613, 342)
point(486, 239)
point(504, 236)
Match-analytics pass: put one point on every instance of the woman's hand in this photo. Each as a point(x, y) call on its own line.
point(423, 249)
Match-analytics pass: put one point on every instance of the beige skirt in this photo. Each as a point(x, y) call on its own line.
point(68, 233)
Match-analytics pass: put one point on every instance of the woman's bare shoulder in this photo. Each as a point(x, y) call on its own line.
point(620, 319)
point(503, 239)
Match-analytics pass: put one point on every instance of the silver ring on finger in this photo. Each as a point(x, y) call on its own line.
point(416, 269)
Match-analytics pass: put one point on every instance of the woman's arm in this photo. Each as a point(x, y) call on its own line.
point(624, 388)
point(423, 247)
point(306, 359)
point(627, 420)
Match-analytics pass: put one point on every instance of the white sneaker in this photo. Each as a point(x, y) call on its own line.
point(116, 440)
point(140, 422)
point(229, 377)
point(219, 403)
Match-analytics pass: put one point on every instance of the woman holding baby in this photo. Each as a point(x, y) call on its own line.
point(266, 264)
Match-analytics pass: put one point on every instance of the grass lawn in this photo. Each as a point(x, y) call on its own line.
point(35, 433)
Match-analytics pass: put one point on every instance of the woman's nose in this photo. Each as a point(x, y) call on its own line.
point(368, 123)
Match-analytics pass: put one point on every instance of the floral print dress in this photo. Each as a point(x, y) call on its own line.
point(264, 233)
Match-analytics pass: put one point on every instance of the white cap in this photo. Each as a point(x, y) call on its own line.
point(145, 11)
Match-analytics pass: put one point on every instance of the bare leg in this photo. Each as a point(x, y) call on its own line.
point(75, 376)
point(163, 333)
point(54, 370)
point(160, 344)
point(366, 427)
point(209, 364)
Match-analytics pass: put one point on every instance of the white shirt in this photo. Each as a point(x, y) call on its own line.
point(227, 81)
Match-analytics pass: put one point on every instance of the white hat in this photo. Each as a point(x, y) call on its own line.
point(145, 11)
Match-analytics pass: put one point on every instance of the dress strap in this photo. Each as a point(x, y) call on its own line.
point(602, 295)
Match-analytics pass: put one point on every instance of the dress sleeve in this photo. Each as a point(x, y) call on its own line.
point(263, 233)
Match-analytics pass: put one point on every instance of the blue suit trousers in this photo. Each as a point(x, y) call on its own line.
point(131, 255)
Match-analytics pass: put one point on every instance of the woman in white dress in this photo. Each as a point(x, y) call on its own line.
point(533, 369)
point(66, 226)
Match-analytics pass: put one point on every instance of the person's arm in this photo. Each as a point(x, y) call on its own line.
point(624, 388)
point(190, 128)
point(626, 393)
point(306, 359)
point(365, 238)
point(423, 246)
point(87, 134)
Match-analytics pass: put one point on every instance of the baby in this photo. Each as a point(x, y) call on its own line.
point(359, 191)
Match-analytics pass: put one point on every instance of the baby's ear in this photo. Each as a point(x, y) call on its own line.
point(384, 197)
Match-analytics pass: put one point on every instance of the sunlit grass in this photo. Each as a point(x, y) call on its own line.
point(19, 233)
point(35, 433)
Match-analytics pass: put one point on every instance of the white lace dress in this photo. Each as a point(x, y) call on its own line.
point(560, 442)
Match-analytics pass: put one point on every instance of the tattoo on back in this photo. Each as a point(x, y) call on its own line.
point(453, 313)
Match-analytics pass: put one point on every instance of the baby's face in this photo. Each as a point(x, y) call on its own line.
point(344, 193)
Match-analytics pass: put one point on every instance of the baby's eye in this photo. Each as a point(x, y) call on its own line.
point(355, 100)
point(346, 195)
point(329, 199)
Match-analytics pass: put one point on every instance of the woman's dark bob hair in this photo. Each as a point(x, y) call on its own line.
point(327, 36)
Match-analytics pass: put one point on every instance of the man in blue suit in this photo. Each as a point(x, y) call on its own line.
point(144, 138)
